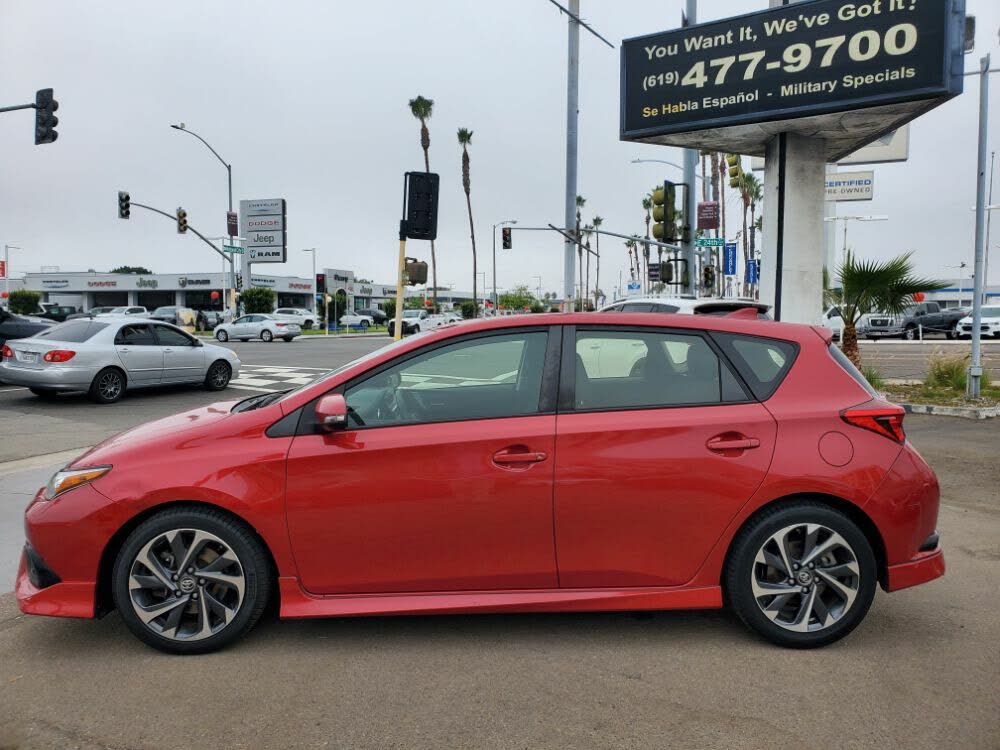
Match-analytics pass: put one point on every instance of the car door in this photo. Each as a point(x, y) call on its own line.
point(140, 353)
point(442, 480)
point(183, 358)
point(240, 327)
point(658, 444)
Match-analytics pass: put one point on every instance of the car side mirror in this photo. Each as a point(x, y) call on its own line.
point(331, 412)
point(196, 342)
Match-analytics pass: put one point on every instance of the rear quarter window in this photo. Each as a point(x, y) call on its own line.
point(762, 362)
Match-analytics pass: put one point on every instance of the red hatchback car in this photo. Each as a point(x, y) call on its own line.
point(521, 464)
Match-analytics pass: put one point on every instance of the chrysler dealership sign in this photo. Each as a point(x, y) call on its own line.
point(796, 61)
point(262, 224)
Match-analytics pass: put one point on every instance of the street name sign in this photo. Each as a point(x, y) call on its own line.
point(842, 70)
point(262, 224)
point(232, 249)
point(709, 242)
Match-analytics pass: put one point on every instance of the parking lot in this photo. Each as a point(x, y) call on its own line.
point(916, 674)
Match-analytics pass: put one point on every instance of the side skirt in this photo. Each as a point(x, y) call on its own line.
point(295, 602)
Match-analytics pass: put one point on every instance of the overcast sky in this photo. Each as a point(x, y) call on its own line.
point(308, 100)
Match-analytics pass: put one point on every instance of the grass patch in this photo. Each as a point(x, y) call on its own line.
point(941, 395)
point(874, 377)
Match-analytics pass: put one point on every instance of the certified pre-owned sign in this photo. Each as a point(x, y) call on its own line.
point(262, 224)
point(799, 60)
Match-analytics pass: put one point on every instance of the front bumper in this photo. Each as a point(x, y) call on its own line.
point(926, 566)
point(63, 599)
point(880, 332)
point(55, 377)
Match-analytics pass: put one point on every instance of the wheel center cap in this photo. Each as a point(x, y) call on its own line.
point(805, 577)
point(187, 584)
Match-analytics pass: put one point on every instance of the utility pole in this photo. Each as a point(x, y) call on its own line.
point(572, 118)
point(315, 291)
point(976, 367)
point(690, 169)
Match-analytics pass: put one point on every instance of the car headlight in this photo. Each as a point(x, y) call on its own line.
point(68, 479)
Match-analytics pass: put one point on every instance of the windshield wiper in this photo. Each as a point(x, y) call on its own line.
point(262, 399)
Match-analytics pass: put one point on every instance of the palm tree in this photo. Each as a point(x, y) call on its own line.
point(422, 109)
point(868, 286)
point(587, 231)
point(630, 248)
point(464, 139)
point(647, 206)
point(580, 202)
point(596, 223)
point(755, 192)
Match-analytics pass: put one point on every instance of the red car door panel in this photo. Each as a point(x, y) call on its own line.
point(424, 507)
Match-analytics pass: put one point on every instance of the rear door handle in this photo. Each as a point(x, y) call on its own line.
point(508, 457)
point(732, 444)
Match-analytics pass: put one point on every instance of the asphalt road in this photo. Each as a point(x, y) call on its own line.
point(919, 673)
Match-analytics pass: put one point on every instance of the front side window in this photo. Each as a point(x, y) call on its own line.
point(136, 335)
point(481, 378)
point(631, 369)
point(172, 337)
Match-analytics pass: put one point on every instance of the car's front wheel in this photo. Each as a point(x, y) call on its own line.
point(801, 575)
point(308, 325)
point(191, 580)
point(218, 375)
point(266, 336)
point(910, 333)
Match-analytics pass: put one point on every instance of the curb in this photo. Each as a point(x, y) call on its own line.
point(966, 412)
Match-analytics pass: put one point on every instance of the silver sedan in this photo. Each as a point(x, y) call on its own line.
point(257, 326)
point(104, 357)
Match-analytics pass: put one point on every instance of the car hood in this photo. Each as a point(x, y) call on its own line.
point(146, 436)
point(967, 320)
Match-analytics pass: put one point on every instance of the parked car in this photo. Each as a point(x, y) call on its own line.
point(125, 311)
point(686, 306)
point(58, 313)
point(306, 319)
point(356, 320)
point(257, 326)
point(414, 321)
point(673, 462)
point(988, 326)
point(207, 320)
point(18, 326)
point(105, 357)
point(175, 314)
point(375, 314)
point(926, 317)
point(834, 321)
point(91, 313)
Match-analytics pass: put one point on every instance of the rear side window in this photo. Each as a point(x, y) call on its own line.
point(637, 307)
point(842, 360)
point(762, 362)
point(75, 331)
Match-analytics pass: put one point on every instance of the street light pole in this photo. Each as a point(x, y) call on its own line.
point(498, 224)
point(846, 219)
point(974, 379)
point(229, 181)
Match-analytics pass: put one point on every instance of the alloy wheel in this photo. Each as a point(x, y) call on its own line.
point(186, 584)
point(110, 385)
point(805, 577)
point(218, 376)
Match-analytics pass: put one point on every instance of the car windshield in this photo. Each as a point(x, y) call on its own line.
point(990, 312)
point(411, 313)
point(164, 311)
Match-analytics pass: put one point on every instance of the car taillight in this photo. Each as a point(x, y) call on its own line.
point(281, 325)
point(885, 421)
point(59, 355)
point(6, 352)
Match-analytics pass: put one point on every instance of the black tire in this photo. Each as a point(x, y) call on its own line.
point(266, 336)
point(952, 333)
point(910, 333)
point(364, 325)
point(218, 375)
point(740, 570)
point(289, 339)
point(222, 336)
point(308, 325)
point(107, 386)
point(43, 393)
point(253, 564)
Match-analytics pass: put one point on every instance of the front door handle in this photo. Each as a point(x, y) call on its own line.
point(731, 445)
point(508, 457)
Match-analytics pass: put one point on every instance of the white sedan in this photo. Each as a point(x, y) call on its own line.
point(299, 315)
point(257, 326)
point(357, 320)
point(988, 326)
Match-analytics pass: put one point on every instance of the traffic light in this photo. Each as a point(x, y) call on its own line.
point(667, 272)
point(182, 220)
point(421, 209)
point(735, 169)
point(665, 213)
point(505, 234)
point(708, 276)
point(124, 204)
point(239, 282)
point(45, 118)
point(321, 283)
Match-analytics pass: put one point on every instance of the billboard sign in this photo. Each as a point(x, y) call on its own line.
point(708, 215)
point(850, 186)
point(794, 61)
point(263, 227)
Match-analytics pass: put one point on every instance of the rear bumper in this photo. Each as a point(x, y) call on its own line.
point(54, 377)
point(925, 567)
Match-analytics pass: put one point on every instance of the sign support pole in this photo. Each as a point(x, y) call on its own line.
point(400, 281)
point(572, 117)
point(974, 380)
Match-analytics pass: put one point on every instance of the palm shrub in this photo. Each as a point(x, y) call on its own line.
point(874, 377)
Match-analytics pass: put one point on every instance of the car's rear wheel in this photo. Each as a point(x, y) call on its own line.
point(308, 325)
point(107, 386)
point(189, 581)
point(222, 336)
point(218, 375)
point(266, 336)
point(288, 338)
point(364, 325)
point(910, 333)
point(801, 575)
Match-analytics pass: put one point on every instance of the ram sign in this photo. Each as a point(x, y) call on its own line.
point(806, 67)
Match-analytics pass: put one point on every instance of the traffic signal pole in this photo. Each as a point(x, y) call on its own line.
point(397, 333)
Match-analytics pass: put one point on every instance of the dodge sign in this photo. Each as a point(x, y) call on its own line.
point(795, 61)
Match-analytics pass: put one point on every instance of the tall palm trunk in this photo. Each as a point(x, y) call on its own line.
point(467, 186)
point(849, 343)
point(746, 244)
point(425, 144)
point(597, 272)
